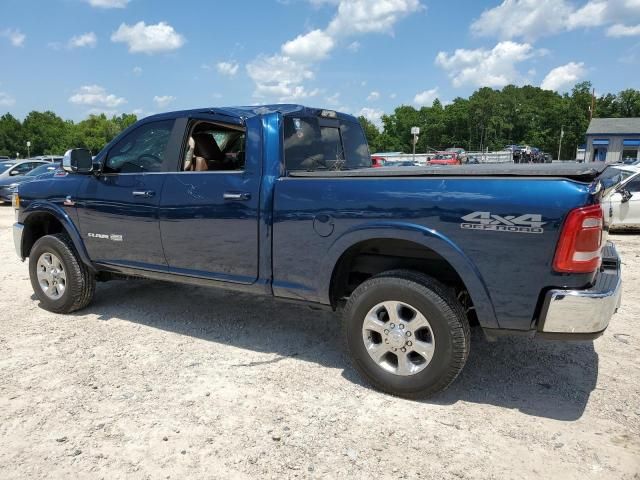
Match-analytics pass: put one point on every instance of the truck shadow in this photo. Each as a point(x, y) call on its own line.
point(544, 379)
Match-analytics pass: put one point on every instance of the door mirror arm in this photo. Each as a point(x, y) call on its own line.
point(626, 195)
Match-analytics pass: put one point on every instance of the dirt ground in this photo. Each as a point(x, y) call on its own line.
point(156, 380)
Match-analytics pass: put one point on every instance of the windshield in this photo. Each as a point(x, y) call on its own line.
point(43, 169)
point(613, 176)
point(4, 166)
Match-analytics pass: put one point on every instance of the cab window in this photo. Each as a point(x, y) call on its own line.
point(141, 150)
point(312, 143)
point(214, 147)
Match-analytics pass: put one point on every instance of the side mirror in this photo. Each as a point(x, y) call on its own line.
point(13, 173)
point(77, 160)
point(626, 195)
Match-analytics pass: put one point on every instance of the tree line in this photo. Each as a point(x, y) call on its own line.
point(51, 135)
point(493, 119)
point(489, 118)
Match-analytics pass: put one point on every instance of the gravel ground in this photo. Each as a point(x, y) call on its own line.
point(156, 380)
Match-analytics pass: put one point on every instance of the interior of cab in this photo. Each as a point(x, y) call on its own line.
point(214, 147)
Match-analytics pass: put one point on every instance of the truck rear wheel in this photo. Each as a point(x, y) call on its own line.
point(60, 280)
point(406, 333)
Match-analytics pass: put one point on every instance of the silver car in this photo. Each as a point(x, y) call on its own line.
point(11, 168)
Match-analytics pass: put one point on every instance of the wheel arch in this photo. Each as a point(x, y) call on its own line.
point(42, 219)
point(435, 254)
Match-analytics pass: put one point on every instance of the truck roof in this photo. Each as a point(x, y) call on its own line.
point(243, 112)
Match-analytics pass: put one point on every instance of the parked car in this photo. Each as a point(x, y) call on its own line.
point(13, 168)
point(2, 158)
point(621, 203)
point(445, 158)
point(377, 162)
point(248, 199)
point(9, 185)
point(460, 152)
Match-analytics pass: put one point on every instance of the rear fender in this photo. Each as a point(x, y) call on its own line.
point(426, 237)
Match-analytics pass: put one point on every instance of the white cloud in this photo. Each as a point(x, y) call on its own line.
point(280, 76)
point(149, 39)
point(353, 46)
point(227, 68)
point(85, 40)
point(373, 96)
point(563, 76)
point(372, 114)
point(368, 16)
point(312, 46)
point(108, 3)
point(96, 96)
point(482, 67)
point(6, 100)
point(15, 36)
point(619, 30)
point(296, 58)
point(334, 99)
point(163, 100)
point(531, 19)
point(137, 71)
point(426, 98)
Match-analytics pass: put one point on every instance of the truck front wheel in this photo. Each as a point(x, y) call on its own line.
point(60, 280)
point(406, 333)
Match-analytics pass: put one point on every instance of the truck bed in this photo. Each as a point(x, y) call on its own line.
point(574, 171)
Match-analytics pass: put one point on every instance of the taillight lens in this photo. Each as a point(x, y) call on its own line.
point(580, 246)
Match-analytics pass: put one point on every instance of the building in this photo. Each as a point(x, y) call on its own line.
point(613, 140)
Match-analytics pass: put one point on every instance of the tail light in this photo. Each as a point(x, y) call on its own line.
point(580, 247)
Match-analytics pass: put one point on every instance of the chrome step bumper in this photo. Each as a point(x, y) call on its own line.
point(585, 311)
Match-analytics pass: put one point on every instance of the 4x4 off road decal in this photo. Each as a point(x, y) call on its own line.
point(527, 223)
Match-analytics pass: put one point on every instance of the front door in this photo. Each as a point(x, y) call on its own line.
point(629, 212)
point(118, 209)
point(209, 209)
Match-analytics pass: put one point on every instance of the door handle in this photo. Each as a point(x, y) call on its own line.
point(238, 196)
point(144, 193)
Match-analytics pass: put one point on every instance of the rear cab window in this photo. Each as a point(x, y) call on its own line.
point(317, 143)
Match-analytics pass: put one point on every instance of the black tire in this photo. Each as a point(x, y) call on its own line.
point(435, 302)
point(80, 282)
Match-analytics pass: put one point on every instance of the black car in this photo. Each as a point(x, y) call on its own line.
point(9, 185)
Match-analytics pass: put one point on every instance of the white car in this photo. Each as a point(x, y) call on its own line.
point(621, 205)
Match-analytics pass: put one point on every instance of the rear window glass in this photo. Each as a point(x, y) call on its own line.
point(312, 143)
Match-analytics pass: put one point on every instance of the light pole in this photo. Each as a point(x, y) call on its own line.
point(28, 149)
point(415, 131)
point(560, 146)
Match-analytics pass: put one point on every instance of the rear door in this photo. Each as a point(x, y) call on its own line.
point(118, 209)
point(209, 219)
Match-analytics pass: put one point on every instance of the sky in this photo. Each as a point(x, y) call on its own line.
point(365, 57)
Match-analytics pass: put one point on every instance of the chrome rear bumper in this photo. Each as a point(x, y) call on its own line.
point(585, 311)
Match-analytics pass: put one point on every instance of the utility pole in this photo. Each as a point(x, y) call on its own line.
point(415, 131)
point(593, 104)
point(560, 146)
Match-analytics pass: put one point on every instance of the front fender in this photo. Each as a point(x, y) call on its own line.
point(39, 207)
point(426, 237)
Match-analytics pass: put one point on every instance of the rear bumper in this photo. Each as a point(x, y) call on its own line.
point(18, 230)
point(587, 312)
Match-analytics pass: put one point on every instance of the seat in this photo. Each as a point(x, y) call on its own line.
point(207, 149)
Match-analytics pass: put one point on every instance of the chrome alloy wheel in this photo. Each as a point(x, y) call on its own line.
point(51, 276)
point(398, 338)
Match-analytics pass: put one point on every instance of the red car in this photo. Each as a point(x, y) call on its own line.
point(377, 162)
point(445, 158)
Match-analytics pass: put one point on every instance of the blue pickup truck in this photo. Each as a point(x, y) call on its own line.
point(281, 200)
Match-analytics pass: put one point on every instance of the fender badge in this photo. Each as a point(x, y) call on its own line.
point(68, 202)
